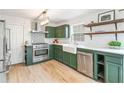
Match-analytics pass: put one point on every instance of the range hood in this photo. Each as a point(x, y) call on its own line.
point(37, 28)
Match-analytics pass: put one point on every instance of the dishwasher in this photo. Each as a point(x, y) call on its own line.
point(85, 63)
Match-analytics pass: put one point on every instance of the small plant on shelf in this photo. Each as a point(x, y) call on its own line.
point(114, 44)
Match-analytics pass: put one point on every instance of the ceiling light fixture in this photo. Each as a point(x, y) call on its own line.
point(44, 18)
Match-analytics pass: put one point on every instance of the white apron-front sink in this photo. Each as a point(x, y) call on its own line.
point(70, 48)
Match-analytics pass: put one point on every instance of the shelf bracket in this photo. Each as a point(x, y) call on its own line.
point(91, 31)
point(116, 27)
point(116, 36)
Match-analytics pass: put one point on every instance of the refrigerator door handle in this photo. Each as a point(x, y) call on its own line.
point(9, 40)
point(2, 60)
point(8, 43)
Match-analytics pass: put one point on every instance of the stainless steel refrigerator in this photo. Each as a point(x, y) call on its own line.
point(5, 53)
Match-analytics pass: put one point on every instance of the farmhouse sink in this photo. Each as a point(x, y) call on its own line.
point(70, 48)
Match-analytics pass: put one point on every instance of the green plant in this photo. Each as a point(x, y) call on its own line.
point(114, 43)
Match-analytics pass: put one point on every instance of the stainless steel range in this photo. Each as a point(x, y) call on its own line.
point(40, 52)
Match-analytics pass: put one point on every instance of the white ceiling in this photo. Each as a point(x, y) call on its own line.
point(55, 15)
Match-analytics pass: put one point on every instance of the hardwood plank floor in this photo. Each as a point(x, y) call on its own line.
point(47, 72)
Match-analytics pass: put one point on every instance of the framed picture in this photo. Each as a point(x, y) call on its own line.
point(106, 16)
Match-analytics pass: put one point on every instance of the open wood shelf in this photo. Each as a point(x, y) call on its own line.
point(110, 32)
point(104, 23)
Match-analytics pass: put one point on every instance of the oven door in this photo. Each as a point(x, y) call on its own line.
point(40, 52)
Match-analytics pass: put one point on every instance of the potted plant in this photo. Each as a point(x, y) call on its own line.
point(114, 44)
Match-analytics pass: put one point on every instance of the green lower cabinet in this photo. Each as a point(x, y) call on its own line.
point(66, 58)
point(55, 53)
point(113, 73)
point(109, 67)
point(28, 55)
point(113, 69)
point(70, 59)
point(95, 69)
point(58, 53)
point(73, 60)
point(51, 52)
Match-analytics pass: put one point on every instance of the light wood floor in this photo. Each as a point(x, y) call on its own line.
point(47, 72)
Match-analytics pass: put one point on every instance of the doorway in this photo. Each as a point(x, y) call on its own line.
point(17, 43)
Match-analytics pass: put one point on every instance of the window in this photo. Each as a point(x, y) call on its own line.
point(78, 35)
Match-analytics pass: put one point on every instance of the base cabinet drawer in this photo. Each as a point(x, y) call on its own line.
point(113, 59)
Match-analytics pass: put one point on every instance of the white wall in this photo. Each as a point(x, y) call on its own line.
point(98, 40)
point(10, 20)
point(26, 23)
